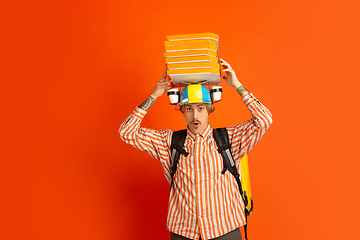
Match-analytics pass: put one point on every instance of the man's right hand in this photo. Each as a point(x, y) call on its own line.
point(161, 87)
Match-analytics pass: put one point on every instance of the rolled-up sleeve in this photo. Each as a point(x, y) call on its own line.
point(245, 136)
point(155, 142)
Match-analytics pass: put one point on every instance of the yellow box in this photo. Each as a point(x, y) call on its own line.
point(193, 65)
point(189, 42)
point(191, 53)
point(194, 70)
point(193, 36)
point(210, 45)
point(192, 59)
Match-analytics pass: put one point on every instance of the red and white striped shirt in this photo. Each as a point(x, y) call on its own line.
point(203, 201)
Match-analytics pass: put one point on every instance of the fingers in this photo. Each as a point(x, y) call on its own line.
point(224, 63)
point(164, 82)
point(164, 76)
point(168, 88)
point(226, 66)
point(164, 85)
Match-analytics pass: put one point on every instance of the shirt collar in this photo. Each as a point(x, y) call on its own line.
point(204, 134)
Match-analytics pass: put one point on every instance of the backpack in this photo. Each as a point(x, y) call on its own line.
point(224, 148)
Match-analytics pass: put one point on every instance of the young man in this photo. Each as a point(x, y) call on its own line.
point(204, 203)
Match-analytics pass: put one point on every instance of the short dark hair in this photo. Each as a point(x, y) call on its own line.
point(209, 107)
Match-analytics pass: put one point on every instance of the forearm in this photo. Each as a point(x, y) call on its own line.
point(246, 135)
point(130, 130)
point(261, 116)
point(131, 124)
point(242, 90)
point(147, 103)
point(154, 142)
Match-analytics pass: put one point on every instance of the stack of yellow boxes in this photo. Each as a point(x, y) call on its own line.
point(193, 58)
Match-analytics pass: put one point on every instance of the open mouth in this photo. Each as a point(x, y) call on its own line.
point(196, 124)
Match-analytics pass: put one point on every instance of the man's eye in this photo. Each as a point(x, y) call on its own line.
point(188, 109)
point(201, 108)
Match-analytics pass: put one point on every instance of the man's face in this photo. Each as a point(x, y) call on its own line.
point(196, 116)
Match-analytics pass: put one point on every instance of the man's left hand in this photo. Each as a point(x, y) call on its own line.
point(231, 78)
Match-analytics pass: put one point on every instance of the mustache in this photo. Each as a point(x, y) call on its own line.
point(195, 121)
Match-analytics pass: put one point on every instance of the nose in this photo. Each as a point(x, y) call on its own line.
point(195, 116)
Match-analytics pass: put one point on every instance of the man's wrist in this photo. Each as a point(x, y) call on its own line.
point(154, 97)
point(237, 85)
point(242, 90)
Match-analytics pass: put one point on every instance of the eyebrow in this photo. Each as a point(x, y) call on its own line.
point(199, 105)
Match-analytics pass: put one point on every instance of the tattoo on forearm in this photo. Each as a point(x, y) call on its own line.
point(241, 90)
point(147, 103)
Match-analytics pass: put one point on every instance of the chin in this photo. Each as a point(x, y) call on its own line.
point(194, 130)
point(197, 131)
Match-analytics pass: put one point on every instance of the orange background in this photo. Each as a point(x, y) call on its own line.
point(80, 68)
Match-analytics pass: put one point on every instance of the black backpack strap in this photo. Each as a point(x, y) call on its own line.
point(177, 148)
point(245, 226)
point(224, 148)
